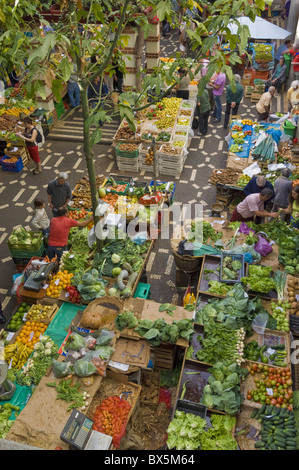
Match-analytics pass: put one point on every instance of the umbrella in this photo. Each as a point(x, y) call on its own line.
point(260, 28)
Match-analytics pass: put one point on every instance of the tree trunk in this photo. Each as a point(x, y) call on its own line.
point(88, 154)
point(139, 53)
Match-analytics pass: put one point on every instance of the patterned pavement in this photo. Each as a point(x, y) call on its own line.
point(18, 190)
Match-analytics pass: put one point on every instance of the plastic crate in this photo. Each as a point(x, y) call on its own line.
point(237, 257)
point(143, 291)
point(158, 183)
point(113, 191)
point(28, 254)
point(14, 167)
point(125, 179)
point(125, 153)
point(17, 247)
point(191, 407)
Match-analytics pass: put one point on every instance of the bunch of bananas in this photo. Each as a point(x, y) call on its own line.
point(17, 353)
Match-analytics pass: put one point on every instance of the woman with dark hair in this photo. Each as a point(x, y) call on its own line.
point(278, 76)
point(293, 207)
point(182, 88)
point(29, 135)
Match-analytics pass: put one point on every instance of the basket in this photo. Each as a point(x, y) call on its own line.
point(125, 179)
point(114, 191)
point(127, 153)
point(237, 257)
point(15, 167)
point(186, 263)
point(191, 407)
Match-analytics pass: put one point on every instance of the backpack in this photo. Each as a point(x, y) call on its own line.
point(40, 139)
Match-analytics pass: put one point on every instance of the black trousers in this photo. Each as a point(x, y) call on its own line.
point(203, 122)
point(227, 113)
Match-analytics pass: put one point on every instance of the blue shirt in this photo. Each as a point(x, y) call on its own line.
point(252, 188)
point(280, 51)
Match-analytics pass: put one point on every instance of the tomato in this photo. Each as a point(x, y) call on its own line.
point(280, 400)
point(254, 367)
point(289, 382)
point(273, 401)
point(58, 448)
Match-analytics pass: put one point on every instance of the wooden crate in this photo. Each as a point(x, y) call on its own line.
point(164, 357)
point(255, 97)
point(21, 151)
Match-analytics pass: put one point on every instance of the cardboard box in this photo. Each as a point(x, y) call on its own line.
point(132, 352)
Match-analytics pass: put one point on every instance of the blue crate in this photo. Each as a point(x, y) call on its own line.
point(163, 182)
point(14, 167)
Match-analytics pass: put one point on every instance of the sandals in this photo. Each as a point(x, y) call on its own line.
point(36, 171)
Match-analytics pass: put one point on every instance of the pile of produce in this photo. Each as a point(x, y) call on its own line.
point(7, 411)
point(21, 237)
point(280, 311)
point(89, 284)
point(126, 133)
point(78, 239)
point(264, 151)
point(278, 429)
point(71, 262)
point(258, 279)
point(30, 333)
point(170, 150)
point(149, 391)
point(17, 354)
point(111, 418)
point(189, 432)
point(220, 343)
point(58, 282)
point(78, 214)
point(157, 331)
point(223, 392)
point(81, 196)
point(38, 312)
point(293, 291)
point(225, 177)
point(68, 392)
point(17, 319)
point(273, 385)
point(202, 231)
point(263, 53)
point(230, 269)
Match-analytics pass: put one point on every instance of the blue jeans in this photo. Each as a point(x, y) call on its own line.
point(294, 222)
point(218, 108)
point(56, 250)
point(73, 92)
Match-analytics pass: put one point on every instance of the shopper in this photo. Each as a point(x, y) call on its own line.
point(182, 88)
point(282, 187)
point(204, 108)
point(59, 193)
point(59, 232)
point(218, 86)
point(278, 77)
point(40, 220)
point(29, 136)
point(264, 104)
point(293, 207)
point(294, 86)
point(253, 206)
point(256, 184)
point(233, 99)
point(73, 89)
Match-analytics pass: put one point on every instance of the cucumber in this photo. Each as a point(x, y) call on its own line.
point(291, 447)
point(254, 413)
point(290, 433)
point(280, 442)
point(291, 442)
point(272, 447)
point(279, 433)
point(263, 409)
point(259, 444)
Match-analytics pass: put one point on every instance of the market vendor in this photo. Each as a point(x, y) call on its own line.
point(293, 207)
point(256, 184)
point(59, 193)
point(295, 59)
point(29, 136)
point(59, 232)
point(182, 88)
point(282, 187)
point(278, 77)
point(253, 206)
point(264, 103)
point(294, 86)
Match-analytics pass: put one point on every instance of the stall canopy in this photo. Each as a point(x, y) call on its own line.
point(260, 29)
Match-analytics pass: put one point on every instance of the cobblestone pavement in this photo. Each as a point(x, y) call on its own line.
point(18, 190)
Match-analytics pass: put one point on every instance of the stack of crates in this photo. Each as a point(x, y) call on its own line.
point(22, 253)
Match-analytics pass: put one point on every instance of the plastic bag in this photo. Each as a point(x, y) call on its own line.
point(263, 247)
point(105, 337)
point(84, 367)
point(61, 369)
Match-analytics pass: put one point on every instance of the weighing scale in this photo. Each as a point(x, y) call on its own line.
point(7, 388)
point(78, 433)
point(35, 280)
